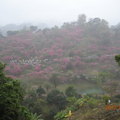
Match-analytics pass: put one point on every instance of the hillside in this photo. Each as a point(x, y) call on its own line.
point(76, 51)
point(67, 68)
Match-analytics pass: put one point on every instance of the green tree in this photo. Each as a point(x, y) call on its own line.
point(47, 87)
point(57, 98)
point(54, 79)
point(40, 91)
point(117, 58)
point(71, 91)
point(11, 96)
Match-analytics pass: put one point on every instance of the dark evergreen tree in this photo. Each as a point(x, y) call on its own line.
point(57, 98)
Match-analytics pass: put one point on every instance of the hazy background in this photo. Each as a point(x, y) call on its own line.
point(57, 11)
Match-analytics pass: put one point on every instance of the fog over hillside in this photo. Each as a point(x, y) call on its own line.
point(59, 60)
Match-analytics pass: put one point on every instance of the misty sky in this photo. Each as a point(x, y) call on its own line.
point(55, 11)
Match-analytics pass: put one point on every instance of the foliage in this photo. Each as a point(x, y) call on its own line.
point(71, 91)
point(11, 96)
point(83, 104)
point(117, 58)
point(36, 117)
point(74, 51)
point(40, 91)
point(57, 98)
point(54, 79)
point(38, 54)
point(106, 98)
point(71, 100)
point(60, 115)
